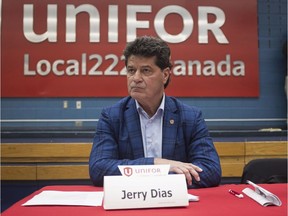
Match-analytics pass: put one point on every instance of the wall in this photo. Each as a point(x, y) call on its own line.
point(267, 111)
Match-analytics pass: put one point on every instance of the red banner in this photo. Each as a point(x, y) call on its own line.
point(74, 48)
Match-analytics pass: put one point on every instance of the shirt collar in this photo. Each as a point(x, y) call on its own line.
point(161, 107)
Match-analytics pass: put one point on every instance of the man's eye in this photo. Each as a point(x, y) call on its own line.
point(131, 71)
point(146, 71)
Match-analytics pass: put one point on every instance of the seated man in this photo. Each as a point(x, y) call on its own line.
point(149, 127)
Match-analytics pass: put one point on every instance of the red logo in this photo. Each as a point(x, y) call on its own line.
point(128, 171)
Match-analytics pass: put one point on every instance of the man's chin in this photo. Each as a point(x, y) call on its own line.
point(136, 95)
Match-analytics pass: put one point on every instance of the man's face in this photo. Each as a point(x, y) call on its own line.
point(145, 79)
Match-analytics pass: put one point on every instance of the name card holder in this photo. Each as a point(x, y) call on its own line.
point(121, 192)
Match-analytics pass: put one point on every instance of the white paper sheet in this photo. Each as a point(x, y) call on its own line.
point(76, 198)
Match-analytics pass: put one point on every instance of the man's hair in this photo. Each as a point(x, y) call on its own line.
point(148, 46)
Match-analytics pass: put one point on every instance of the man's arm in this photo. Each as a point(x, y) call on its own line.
point(105, 156)
point(202, 153)
point(202, 166)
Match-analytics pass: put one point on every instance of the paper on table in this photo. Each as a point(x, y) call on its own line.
point(76, 198)
point(261, 195)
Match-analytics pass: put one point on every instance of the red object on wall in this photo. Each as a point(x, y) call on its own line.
point(214, 46)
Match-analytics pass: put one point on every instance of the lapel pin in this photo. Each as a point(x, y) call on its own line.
point(171, 121)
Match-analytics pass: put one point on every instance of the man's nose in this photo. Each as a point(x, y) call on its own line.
point(137, 76)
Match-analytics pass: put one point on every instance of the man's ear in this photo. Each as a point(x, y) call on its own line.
point(167, 76)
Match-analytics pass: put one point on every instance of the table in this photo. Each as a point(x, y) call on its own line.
point(213, 202)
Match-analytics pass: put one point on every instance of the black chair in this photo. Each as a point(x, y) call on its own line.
point(268, 170)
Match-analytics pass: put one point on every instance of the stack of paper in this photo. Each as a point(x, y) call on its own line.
point(77, 198)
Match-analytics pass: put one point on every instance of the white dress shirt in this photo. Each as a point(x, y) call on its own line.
point(151, 129)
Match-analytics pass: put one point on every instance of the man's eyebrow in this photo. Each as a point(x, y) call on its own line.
point(144, 66)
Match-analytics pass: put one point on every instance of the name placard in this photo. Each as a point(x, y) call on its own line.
point(144, 170)
point(122, 192)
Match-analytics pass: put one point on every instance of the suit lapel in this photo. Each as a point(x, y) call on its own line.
point(134, 129)
point(170, 125)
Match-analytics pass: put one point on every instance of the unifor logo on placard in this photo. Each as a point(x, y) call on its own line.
point(128, 171)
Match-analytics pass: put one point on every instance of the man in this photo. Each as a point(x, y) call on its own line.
point(149, 127)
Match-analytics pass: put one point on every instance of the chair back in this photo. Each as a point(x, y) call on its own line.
point(268, 170)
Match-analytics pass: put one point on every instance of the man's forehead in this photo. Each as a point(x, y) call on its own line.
point(142, 60)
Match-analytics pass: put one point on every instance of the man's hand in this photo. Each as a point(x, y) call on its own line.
point(187, 169)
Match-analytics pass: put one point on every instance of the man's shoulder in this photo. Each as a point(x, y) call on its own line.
point(187, 114)
point(123, 102)
point(176, 104)
point(120, 105)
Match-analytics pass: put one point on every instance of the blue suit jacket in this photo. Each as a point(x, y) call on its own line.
point(118, 141)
